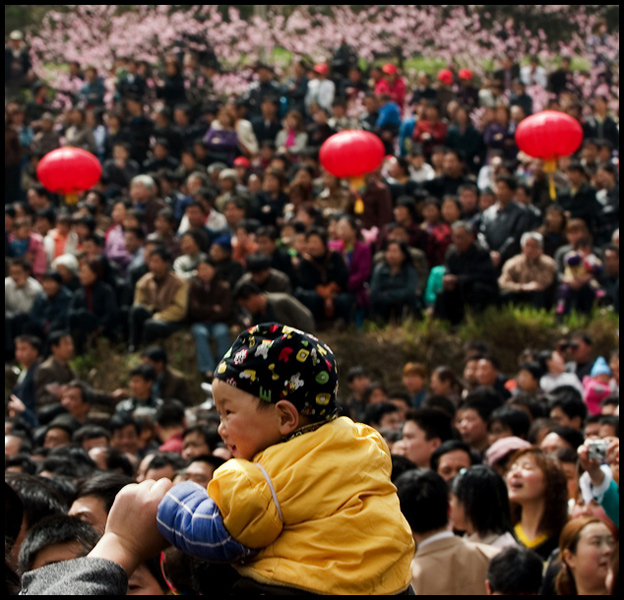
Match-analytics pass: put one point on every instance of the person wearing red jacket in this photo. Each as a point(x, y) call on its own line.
point(430, 131)
point(392, 85)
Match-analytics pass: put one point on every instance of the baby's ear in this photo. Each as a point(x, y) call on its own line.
point(288, 415)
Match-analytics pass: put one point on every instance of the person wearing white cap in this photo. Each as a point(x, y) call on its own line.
point(321, 90)
point(17, 66)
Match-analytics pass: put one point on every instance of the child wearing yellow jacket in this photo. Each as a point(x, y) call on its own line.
point(307, 504)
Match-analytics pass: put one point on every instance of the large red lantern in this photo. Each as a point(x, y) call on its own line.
point(549, 135)
point(69, 170)
point(352, 154)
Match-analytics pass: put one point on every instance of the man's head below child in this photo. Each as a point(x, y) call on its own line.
point(274, 382)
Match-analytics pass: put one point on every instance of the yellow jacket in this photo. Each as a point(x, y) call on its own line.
point(343, 531)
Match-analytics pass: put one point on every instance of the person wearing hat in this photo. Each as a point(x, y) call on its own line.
point(294, 493)
point(467, 94)
point(17, 66)
point(596, 386)
point(392, 85)
point(321, 89)
point(498, 454)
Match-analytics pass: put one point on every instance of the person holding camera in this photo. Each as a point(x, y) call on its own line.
point(601, 460)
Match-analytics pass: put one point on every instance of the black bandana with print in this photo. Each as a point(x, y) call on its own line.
point(274, 362)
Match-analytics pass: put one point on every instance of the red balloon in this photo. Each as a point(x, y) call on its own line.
point(352, 153)
point(69, 170)
point(549, 135)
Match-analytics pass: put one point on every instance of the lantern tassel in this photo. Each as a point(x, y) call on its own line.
point(71, 199)
point(357, 184)
point(551, 167)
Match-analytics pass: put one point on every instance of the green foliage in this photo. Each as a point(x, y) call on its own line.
point(383, 350)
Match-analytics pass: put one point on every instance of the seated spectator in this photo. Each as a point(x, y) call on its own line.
point(470, 277)
point(465, 138)
point(209, 312)
point(473, 415)
point(267, 238)
point(527, 277)
point(266, 307)
point(580, 287)
point(118, 171)
point(55, 539)
point(503, 224)
point(269, 280)
point(424, 502)
point(93, 310)
point(377, 203)
point(452, 457)
point(62, 239)
point(243, 242)
point(193, 245)
point(452, 177)
point(170, 384)
point(143, 191)
point(499, 135)
point(480, 507)
point(579, 198)
point(160, 302)
point(538, 498)
point(292, 139)
point(394, 283)
point(25, 243)
point(20, 292)
point(165, 227)
point(358, 258)
point(425, 429)
point(440, 236)
point(77, 400)
point(581, 352)
point(515, 572)
point(227, 269)
point(430, 131)
point(141, 384)
point(55, 372)
point(554, 229)
point(323, 280)
point(27, 354)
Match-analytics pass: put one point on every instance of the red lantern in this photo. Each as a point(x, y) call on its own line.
point(352, 153)
point(549, 135)
point(69, 170)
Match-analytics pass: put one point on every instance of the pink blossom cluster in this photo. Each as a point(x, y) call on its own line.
point(453, 34)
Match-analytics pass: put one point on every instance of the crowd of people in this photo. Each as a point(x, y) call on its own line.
point(215, 215)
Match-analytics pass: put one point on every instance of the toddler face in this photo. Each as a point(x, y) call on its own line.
point(245, 428)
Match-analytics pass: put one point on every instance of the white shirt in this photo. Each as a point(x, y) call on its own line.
point(550, 382)
point(425, 173)
point(20, 299)
point(538, 78)
point(322, 92)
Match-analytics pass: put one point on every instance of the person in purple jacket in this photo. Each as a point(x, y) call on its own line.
point(358, 256)
point(221, 140)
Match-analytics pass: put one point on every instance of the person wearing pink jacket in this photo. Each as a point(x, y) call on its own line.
point(25, 243)
point(596, 386)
